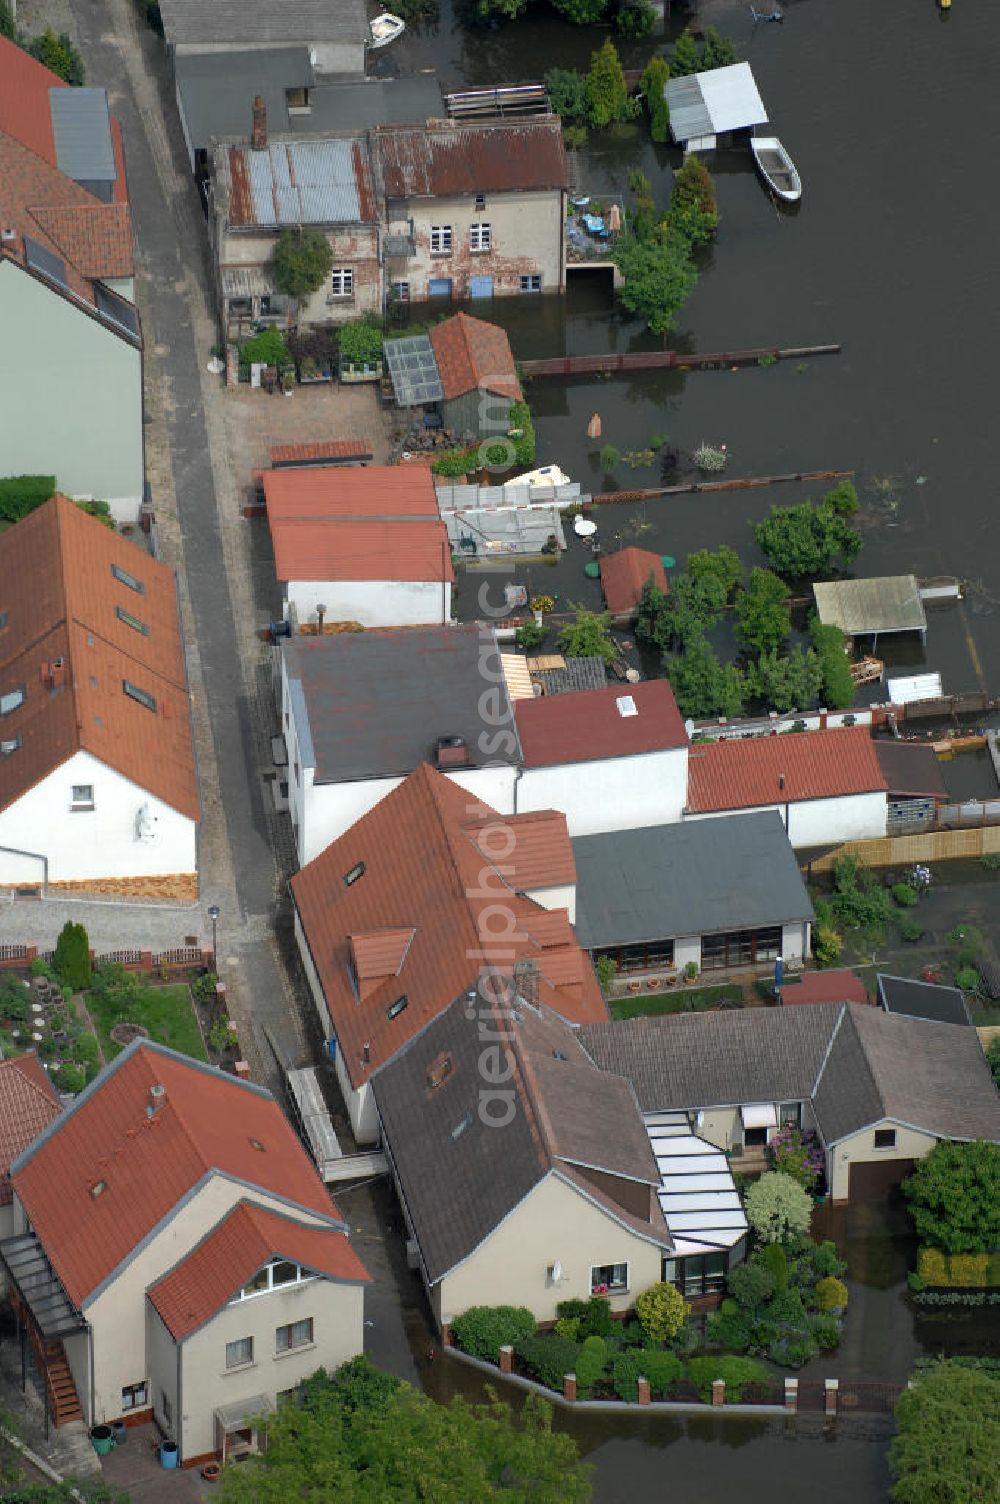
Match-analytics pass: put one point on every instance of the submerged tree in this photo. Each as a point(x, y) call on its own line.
point(657, 277)
point(607, 92)
point(652, 85)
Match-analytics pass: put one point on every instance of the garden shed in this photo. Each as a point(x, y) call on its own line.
point(707, 109)
point(872, 608)
point(464, 368)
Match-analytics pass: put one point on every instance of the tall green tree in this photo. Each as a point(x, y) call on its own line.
point(787, 681)
point(588, 636)
point(947, 1444)
point(365, 1438)
point(954, 1197)
point(8, 26)
point(685, 57)
point(301, 262)
point(807, 541)
point(58, 54)
point(777, 1208)
point(704, 686)
point(652, 86)
point(693, 209)
point(657, 277)
point(567, 91)
point(723, 564)
point(607, 93)
point(71, 958)
point(829, 644)
point(763, 615)
point(716, 51)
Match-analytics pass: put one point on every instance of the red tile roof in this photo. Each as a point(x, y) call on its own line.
point(209, 1123)
point(353, 492)
point(825, 987)
point(761, 770)
point(531, 850)
point(587, 724)
point(243, 1242)
point(424, 872)
point(28, 1103)
point(332, 449)
point(473, 356)
point(448, 159)
point(95, 237)
point(24, 100)
point(624, 576)
point(61, 601)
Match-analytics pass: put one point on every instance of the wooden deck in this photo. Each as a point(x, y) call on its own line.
point(650, 360)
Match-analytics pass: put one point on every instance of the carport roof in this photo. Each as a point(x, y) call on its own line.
point(708, 104)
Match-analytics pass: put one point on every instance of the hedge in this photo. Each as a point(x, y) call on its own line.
point(524, 444)
point(737, 1372)
point(961, 1271)
point(548, 1359)
point(483, 1330)
point(21, 494)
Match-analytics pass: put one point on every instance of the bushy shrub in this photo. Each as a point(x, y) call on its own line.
point(831, 1294)
point(21, 494)
point(730, 1328)
point(59, 55)
point(483, 1330)
point(661, 1369)
point(826, 1333)
point(71, 1077)
point(594, 1315)
point(968, 1270)
point(568, 1327)
point(737, 1372)
point(15, 1000)
point(567, 91)
point(360, 342)
point(625, 1373)
point(662, 1311)
point(652, 85)
point(775, 1260)
point(591, 1361)
point(904, 895)
point(785, 1309)
point(86, 1051)
point(71, 959)
point(793, 1351)
point(264, 349)
point(826, 1260)
point(548, 1359)
point(777, 1207)
point(752, 1285)
point(911, 930)
point(967, 977)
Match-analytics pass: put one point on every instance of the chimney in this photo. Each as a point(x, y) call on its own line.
point(320, 615)
point(57, 672)
point(258, 134)
point(781, 780)
point(157, 1097)
point(366, 1053)
point(526, 981)
point(452, 752)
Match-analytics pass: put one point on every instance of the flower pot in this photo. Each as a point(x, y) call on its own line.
point(168, 1454)
point(101, 1439)
point(211, 1472)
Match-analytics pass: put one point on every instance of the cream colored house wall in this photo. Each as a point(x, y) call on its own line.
point(337, 1312)
point(161, 1366)
point(118, 1315)
point(526, 235)
point(354, 246)
point(554, 1224)
point(860, 1149)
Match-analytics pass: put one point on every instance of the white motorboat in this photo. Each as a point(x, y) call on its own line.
point(385, 29)
point(776, 168)
point(545, 475)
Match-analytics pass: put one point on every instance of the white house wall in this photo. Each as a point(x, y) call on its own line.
point(615, 793)
point(820, 822)
point(374, 603)
point(560, 897)
point(91, 844)
point(860, 1149)
point(77, 416)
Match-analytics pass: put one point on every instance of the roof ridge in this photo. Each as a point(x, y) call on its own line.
point(859, 1036)
point(539, 1123)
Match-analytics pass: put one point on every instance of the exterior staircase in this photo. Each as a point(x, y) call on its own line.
point(60, 1390)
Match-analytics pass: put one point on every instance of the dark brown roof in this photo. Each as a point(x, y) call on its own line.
point(473, 356)
point(445, 159)
point(460, 1174)
point(624, 575)
point(911, 770)
point(61, 601)
point(424, 872)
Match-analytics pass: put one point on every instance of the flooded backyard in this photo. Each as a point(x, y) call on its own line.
point(890, 254)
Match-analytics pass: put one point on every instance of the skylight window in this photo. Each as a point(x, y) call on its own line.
point(356, 871)
point(396, 1008)
point(131, 621)
point(626, 705)
point(124, 578)
point(141, 696)
point(10, 745)
point(12, 700)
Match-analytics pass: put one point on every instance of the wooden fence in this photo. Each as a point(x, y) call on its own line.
point(181, 958)
point(903, 851)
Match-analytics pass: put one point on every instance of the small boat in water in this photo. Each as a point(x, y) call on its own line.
point(385, 29)
point(776, 168)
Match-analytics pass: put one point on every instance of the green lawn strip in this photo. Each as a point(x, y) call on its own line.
point(678, 1000)
point(167, 1013)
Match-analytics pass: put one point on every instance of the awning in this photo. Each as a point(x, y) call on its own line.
point(246, 282)
point(235, 1416)
point(759, 1115)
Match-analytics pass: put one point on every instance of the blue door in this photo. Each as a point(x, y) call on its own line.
point(480, 287)
point(439, 287)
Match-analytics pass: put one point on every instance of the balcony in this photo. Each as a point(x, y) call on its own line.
point(401, 239)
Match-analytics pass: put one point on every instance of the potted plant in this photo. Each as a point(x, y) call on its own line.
point(691, 972)
point(288, 380)
point(211, 1472)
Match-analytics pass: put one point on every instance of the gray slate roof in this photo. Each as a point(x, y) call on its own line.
point(460, 1176)
point(218, 22)
point(579, 673)
point(373, 704)
point(910, 999)
point(216, 91)
point(857, 1065)
point(693, 878)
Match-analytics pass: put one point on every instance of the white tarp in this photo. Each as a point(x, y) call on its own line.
point(759, 1115)
point(907, 691)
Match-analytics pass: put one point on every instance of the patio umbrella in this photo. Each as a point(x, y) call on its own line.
point(583, 527)
point(614, 219)
point(594, 427)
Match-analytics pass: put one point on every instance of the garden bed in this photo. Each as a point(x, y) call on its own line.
point(164, 1011)
point(679, 999)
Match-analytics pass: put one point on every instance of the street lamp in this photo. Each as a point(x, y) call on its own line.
point(213, 914)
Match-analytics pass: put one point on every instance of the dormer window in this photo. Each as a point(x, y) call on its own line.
point(275, 1275)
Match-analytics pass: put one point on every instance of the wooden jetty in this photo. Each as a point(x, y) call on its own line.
point(737, 483)
point(671, 360)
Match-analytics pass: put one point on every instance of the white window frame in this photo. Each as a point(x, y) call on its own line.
point(441, 240)
point(527, 278)
point(342, 282)
point(302, 1277)
point(614, 1287)
point(401, 292)
point(240, 1342)
point(884, 1148)
point(138, 1394)
point(291, 1346)
point(480, 237)
point(83, 796)
point(13, 699)
point(139, 695)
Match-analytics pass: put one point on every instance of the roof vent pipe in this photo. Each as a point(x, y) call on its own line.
point(781, 780)
point(157, 1097)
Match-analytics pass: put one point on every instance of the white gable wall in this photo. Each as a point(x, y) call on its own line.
point(818, 822)
point(97, 843)
point(613, 793)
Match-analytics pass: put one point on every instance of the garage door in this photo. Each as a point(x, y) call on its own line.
point(876, 1182)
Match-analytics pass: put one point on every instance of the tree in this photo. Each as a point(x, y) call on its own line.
point(588, 636)
point(722, 564)
point(686, 56)
point(805, 541)
point(829, 644)
point(662, 1311)
point(362, 1437)
point(763, 615)
point(567, 91)
point(954, 1197)
point(993, 1059)
point(657, 277)
point(787, 681)
point(582, 12)
point(635, 19)
point(652, 85)
point(702, 685)
point(8, 26)
point(58, 54)
point(71, 960)
point(716, 51)
point(300, 262)
point(693, 209)
point(777, 1208)
point(947, 1444)
point(607, 93)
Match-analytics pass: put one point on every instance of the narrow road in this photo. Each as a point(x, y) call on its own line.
point(200, 533)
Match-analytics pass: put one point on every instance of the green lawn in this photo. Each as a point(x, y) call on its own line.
point(679, 999)
point(167, 1013)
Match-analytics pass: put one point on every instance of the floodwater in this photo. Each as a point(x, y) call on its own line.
point(891, 116)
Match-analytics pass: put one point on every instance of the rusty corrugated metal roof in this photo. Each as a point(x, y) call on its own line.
point(446, 158)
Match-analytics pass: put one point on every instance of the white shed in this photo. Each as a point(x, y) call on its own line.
point(705, 106)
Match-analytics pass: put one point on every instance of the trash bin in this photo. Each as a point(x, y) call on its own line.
point(168, 1454)
point(101, 1440)
point(119, 1432)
